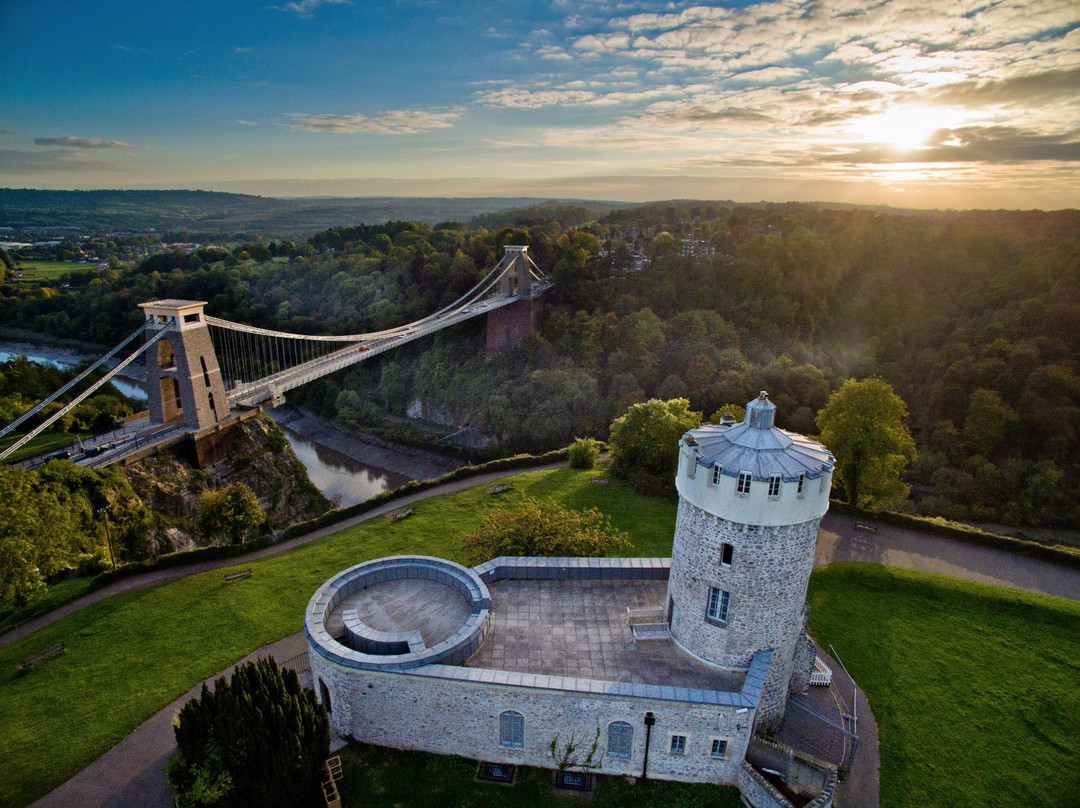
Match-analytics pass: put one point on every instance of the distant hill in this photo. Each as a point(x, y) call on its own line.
point(212, 212)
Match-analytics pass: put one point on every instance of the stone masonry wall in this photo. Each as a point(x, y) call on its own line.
point(767, 579)
point(454, 717)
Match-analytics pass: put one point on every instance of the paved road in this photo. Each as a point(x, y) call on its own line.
point(840, 540)
point(131, 774)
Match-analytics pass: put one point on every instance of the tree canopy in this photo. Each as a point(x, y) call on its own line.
point(863, 426)
point(644, 442)
point(258, 739)
point(543, 528)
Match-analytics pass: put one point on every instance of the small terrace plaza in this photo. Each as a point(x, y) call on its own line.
point(406, 604)
point(579, 628)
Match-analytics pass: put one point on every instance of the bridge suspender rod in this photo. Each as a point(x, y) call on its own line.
point(33, 433)
point(42, 404)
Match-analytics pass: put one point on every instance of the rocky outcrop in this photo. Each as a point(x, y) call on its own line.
point(256, 453)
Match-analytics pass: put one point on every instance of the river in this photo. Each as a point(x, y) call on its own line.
point(347, 468)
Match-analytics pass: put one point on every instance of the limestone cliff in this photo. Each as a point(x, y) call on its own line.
point(253, 451)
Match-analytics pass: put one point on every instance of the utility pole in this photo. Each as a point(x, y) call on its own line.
point(108, 535)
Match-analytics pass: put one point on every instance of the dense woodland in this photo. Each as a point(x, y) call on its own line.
point(973, 317)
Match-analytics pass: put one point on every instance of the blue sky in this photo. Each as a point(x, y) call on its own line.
point(937, 103)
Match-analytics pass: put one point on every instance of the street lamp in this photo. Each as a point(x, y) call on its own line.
point(108, 535)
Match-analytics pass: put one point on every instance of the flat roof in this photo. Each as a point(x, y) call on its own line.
point(578, 628)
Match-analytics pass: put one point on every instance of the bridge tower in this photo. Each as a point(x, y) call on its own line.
point(183, 379)
point(508, 326)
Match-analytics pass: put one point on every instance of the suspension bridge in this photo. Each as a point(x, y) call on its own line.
point(200, 368)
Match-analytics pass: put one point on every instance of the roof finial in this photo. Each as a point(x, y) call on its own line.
point(763, 394)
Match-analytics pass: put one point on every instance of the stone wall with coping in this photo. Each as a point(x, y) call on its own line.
point(767, 582)
point(455, 711)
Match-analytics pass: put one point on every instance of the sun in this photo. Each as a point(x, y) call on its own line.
point(905, 127)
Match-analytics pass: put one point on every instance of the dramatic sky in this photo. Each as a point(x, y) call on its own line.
point(935, 103)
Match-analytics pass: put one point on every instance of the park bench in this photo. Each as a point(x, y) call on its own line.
point(499, 487)
point(863, 524)
point(48, 653)
point(236, 576)
point(399, 513)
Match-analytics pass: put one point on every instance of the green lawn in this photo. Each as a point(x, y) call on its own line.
point(42, 602)
point(386, 778)
point(133, 653)
point(48, 270)
point(975, 688)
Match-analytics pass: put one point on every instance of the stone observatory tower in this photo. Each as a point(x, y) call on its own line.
point(751, 496)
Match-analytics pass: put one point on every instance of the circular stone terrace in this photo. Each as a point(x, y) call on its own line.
point(400, 612)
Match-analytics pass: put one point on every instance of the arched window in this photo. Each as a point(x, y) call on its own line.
point(512, 729)
point(620, 739)
point(324, 695)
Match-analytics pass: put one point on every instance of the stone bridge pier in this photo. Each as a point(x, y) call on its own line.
point(508, 326)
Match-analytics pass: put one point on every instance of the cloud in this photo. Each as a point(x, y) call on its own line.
point(970, 144)
point(242, 122)
point(8, 132)
point(772, 75)
point(243, 50)
point(91, 143)
point(306, 8)
point(1044, 86)
point(23, 161)
point(521, 98)
point(391, 122)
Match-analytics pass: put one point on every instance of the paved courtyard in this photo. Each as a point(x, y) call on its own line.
point(578, 628)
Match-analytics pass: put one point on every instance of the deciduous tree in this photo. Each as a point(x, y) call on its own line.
point(863, 426)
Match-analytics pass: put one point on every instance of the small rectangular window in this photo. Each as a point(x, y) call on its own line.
point(774, 485)
point(719, 600)
point(719, 748)
point(716, 475)
point(726, 552)
point(743, 486)
point(678, 744)
point(191, 318)
point(802, 480)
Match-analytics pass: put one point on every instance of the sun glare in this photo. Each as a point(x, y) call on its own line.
point(905, 127)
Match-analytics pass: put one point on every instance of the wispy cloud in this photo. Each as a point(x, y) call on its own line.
point(391, 122)
point(306, 8)
point(91, 143)
point(242, 122)
point(973, 144)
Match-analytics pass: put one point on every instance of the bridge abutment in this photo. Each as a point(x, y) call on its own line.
point(508, 326)
point(183, 379)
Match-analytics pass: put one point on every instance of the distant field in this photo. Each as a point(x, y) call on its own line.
point(48, 270)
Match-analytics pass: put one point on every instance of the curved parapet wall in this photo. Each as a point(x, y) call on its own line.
point(378, 650)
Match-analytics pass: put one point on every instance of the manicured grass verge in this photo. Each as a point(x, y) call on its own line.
point(44, 602)
point(48, 270)
point(42, 444)
point(975, 688)
point(131, 654)
point(386, 778)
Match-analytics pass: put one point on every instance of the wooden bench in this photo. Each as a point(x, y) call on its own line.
point(48, 653)
point(399, 513)
point(236, 576)
point(862, 524)
point(499, 488)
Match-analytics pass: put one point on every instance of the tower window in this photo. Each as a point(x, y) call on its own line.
point(719, 600)
point(802, 481)
point(743, 486)
point(719, 748)
point(726, 553)
point(774, 485)
point(678, 744)
point(716, 474)
point(512, 729)
point(620, 739)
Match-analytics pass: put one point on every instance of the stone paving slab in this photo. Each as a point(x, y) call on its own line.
point(406, 604)
point(578, 628)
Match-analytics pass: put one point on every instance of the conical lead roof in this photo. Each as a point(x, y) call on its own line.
point(760, 448)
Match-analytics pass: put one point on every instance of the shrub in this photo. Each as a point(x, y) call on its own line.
point(584, 452)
